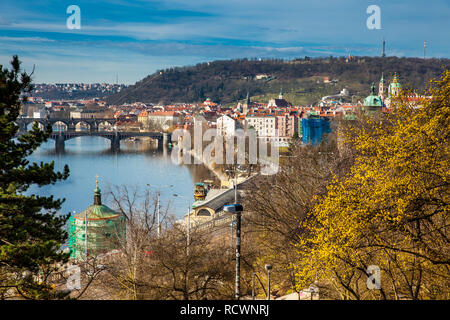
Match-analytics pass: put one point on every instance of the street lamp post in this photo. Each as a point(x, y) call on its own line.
point(268, 268)
point(188, 227)
point(235, 201)
point(237, 210)
point(86, 237)
point(232, 231)
point(188, 238)
point(158, 207)
point(159, 213)
point(312, 290)
point(253, 285)
point(235, 189)
point(234, 183)
point(238, 254)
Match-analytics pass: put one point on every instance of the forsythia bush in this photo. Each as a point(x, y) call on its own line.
point(391, 210)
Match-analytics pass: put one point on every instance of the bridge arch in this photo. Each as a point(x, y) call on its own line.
point(155, 137)
point(82, 126)
point(41, 125)
point(114, 136)
point(60, 126)
point(104, 125)
point(73, 136)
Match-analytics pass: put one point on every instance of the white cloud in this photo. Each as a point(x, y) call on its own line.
point(228, 29)
point(26, 39)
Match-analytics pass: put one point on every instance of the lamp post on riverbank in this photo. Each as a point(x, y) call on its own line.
point(86, 236)
point(234, 183)
point(188, 227)
point(158, 206)
point(232, 223)
point(268, 268)
point(237, 210)
point(253, 285)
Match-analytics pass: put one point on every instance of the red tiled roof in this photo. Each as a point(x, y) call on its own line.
point(163, 113)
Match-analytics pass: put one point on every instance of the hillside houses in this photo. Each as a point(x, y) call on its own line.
point(276, 120)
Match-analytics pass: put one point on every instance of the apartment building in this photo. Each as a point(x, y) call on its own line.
point(265, 125)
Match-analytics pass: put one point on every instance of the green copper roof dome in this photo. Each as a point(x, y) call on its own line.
point(395, 83)
point(373, 100)
point(97, 210)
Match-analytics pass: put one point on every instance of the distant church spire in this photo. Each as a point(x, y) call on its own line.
point(97, 193)
point(394, 86)
point(372, 89)
point(246, 104)
point(281, 94)
point(382, 88)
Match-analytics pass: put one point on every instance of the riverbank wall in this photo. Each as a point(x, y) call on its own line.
point(211, 166)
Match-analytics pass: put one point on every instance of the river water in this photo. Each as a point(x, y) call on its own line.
point(135, 165)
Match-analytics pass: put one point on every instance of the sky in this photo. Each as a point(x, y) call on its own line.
point(132, 39)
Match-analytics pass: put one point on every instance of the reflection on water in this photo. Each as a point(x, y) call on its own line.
point(136, 164)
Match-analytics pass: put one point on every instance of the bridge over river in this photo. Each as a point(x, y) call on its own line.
point(70, 123)
point(114, 136)
point(94, 129)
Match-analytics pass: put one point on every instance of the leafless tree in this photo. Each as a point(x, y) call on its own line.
point(148, 266)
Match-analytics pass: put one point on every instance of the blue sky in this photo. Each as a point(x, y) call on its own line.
point(135, 38)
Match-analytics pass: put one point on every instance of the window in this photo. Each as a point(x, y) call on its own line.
point(204, 213)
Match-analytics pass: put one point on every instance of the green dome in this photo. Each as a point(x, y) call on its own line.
point(96, 212)
point(395, 83)
point(95, 236)
point(373, 100)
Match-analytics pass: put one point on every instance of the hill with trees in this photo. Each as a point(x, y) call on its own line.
point(302, 80)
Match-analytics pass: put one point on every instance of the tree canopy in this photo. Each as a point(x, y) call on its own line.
point(227, 81)
point(31, 232)
point(390, 210)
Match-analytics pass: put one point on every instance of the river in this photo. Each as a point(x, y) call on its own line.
point(135, 165)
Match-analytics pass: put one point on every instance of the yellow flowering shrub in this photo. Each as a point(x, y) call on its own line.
point(391, 210)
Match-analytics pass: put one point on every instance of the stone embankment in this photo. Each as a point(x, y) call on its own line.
point(211, 166)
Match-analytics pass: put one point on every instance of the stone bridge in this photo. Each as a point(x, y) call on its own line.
point(70, 123)
point(93, 123)
point(115, 137)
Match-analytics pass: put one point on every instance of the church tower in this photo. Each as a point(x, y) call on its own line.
point(97, 194)
point(382, 88)
point(280, 96)
point(246, 104)
point(96, 230)
point(394, 87)
point(373, 102)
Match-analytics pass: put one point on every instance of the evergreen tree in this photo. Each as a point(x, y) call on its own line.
point(31, 232)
